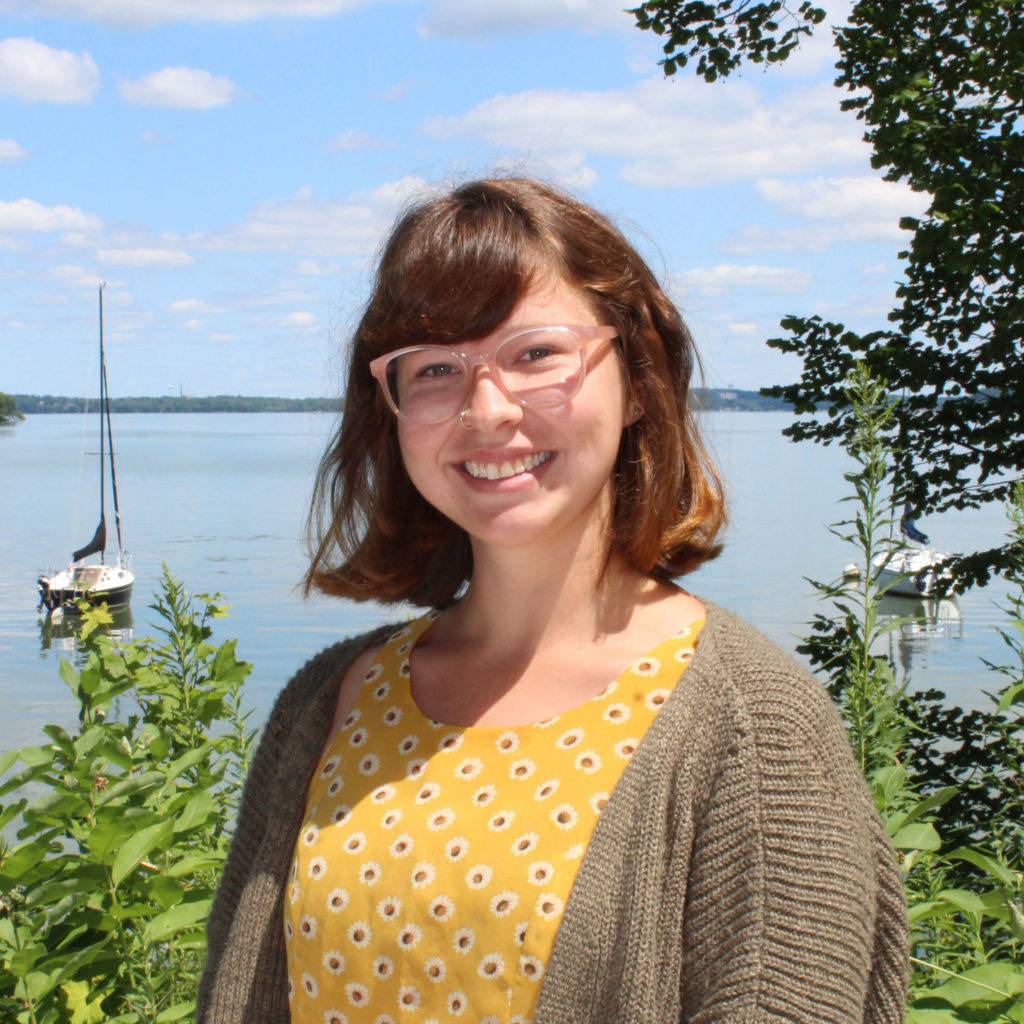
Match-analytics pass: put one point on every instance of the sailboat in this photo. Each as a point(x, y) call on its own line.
point(905, 571)
point(101, 583)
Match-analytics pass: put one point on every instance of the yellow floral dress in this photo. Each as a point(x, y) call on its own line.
point(431, 871)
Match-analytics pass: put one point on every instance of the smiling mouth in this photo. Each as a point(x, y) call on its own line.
point(503, 470)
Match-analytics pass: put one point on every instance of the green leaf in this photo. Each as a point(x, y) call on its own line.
point(138, 847)
point(989, 982)
point(177, 1012)
point(168, 892)
point(179, 918)
point(195, 813)
point(916, 837)
point(130, 786)
point(986, 863)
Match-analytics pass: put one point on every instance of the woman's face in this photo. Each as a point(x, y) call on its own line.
point(510, 475)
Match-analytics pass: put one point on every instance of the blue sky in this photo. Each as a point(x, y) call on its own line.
point(227, 167)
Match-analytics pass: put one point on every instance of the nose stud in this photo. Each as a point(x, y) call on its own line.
point(462, 419)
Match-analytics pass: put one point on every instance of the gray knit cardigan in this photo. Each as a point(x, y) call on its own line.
point(738, 873)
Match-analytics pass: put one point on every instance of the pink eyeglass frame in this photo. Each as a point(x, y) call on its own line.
point(583, 334)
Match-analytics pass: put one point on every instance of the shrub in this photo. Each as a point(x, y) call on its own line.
point(122, 827)
point(947, 784)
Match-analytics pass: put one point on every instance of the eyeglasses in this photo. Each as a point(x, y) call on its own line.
point(535, 367)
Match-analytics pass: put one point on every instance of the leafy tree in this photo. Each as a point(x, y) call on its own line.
point(939, 85)
point(8, 409)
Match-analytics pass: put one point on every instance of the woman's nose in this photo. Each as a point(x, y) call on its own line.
point(487, 406)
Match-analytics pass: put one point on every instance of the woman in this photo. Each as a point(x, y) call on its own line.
point(571, 791)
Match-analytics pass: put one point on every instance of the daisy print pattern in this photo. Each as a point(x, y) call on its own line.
point(433, 893)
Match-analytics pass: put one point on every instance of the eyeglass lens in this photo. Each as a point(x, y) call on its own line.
point(538, 367)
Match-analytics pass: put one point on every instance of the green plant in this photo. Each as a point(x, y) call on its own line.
point(955, 823)
point(122, 827)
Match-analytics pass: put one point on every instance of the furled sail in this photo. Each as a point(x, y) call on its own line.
point(908, 527)
point(96, 545)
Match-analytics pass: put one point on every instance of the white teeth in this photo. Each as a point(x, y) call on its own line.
point(494, 471)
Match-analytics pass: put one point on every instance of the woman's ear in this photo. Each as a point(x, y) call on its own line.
point(634, 410)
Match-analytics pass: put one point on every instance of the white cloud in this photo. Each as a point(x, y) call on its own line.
point(861, 198)
point(469, 18)
point(146, 14)
point(24, 216)
point(151, 138)
point(300, 318)
point(854, 209)
point(353, 142)
point(742, 328)
point(10, 151)
point(34, 73)
point(671, 133)
point(400, 89)
point(194, 306)
point(728, 276)
point(315, 227)
point(183, 88)
point(73, 276)
point(144, 257)
point(312, 268)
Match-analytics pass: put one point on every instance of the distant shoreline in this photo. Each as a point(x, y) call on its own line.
point(711, 399)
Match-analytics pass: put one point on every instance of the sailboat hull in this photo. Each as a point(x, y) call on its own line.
point(96, 584)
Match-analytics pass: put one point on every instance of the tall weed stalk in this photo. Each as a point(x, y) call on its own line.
point(947, 784)
point(106, 887)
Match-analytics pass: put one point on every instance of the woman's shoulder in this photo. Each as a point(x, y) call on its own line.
point(761, 684)
point(326, 669)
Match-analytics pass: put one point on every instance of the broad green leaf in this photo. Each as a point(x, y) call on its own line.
point(986, 863)
point(990, 982)
point(68, 674)
point(919, 836)
point(166, 891)
point(129, 786)
point(137, 847)
point(85, 1008)
point(971, 902)
point(178, 918)
point(179, 1011)
point(195, 813)
point(19, 861)
point(7, 759)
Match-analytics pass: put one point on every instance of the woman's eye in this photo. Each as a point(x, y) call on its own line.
point(536, 352)
point(433, 371)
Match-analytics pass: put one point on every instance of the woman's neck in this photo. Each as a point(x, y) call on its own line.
point(525, 600)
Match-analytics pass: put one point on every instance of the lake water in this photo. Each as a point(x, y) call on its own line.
point(221, 500)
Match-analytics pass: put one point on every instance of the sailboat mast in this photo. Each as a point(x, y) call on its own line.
point(113, 471)
point(103, 381)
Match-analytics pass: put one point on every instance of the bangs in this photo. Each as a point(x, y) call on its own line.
point(454, 274)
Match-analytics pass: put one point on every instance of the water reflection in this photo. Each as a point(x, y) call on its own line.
point(917, 622)
point(62, 633)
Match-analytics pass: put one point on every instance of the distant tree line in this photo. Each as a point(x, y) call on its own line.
point(31, 404)
point(711, 399)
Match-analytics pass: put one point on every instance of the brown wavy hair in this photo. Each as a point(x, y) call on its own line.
point(452, 270)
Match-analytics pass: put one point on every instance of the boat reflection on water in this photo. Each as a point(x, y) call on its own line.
point(916, 624)
point(60, 632)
